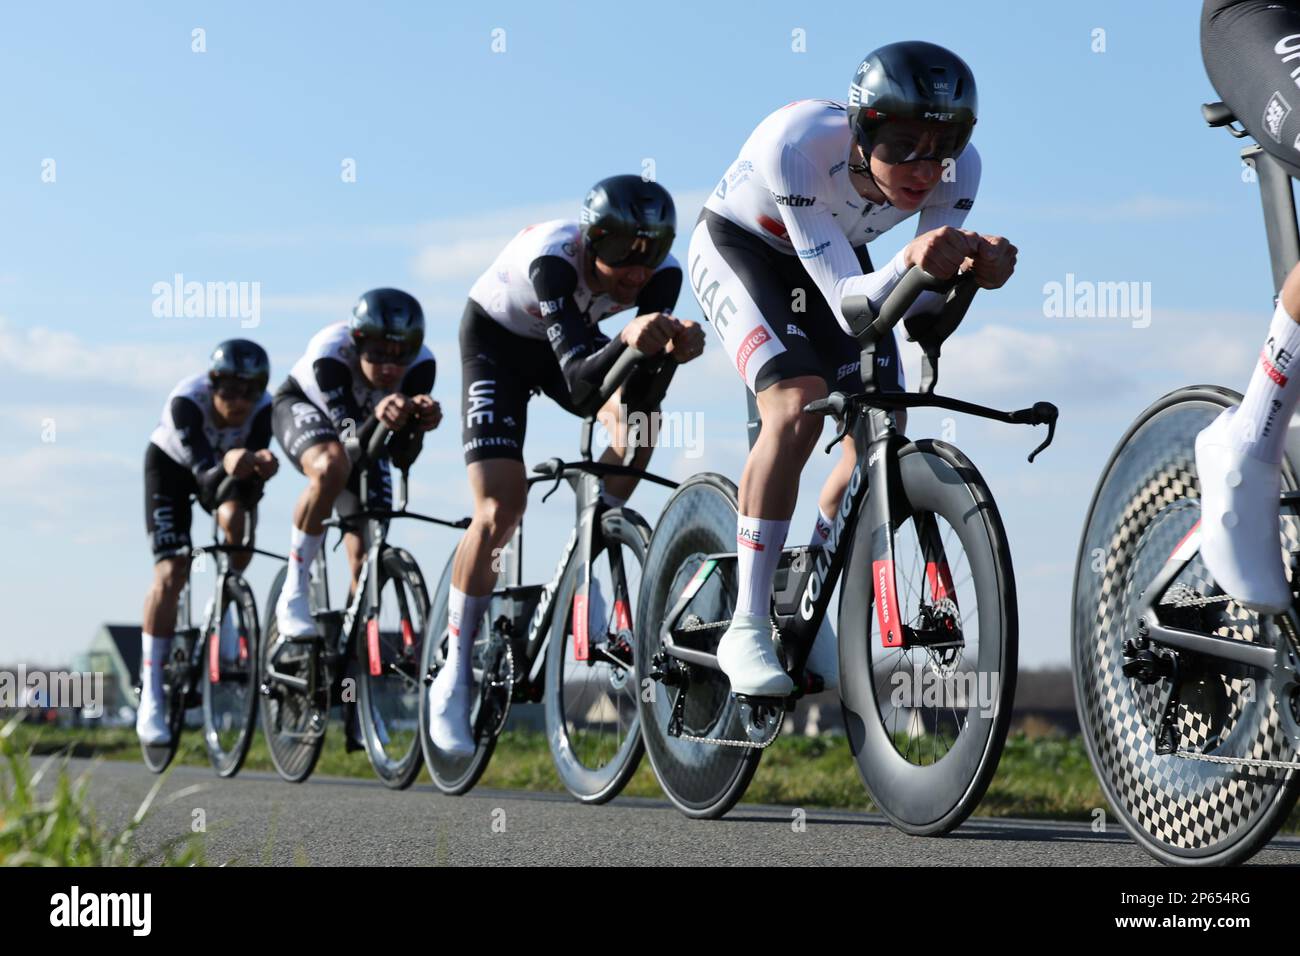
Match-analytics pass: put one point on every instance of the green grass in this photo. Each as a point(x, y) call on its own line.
point(61, 829)
point(1038, 777)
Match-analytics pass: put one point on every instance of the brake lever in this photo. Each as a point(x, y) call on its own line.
point(1044, 413)
point(841, 430)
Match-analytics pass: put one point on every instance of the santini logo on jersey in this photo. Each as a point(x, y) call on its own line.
point(793, 200)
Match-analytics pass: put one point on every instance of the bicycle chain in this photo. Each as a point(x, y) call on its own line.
point(1193, 599)
point(1255, 762)
point(742, 744)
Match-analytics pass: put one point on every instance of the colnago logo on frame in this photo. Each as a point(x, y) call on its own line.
point(76, 909)
point(822, 568)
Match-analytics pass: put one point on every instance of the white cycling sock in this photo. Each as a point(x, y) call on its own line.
point(303, 548)
point(758, 549)
point(153, 654)
point(1261, 423)
point(822, 530)
point(464, 615)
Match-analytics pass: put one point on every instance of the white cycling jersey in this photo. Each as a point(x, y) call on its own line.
point(187, 402)
point(335, 342)
point(790, 186)
point(505, 291)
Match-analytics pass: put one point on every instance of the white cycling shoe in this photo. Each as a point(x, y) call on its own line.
point(449, 703)
point(151, 721)
point(824, 658)
point(293, 615)
point(1239, 520)
point(747, 656)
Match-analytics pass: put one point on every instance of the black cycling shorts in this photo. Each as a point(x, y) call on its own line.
point(1251, 50)
point(168, 492)
point(501, 371)
point(779, 325)
point(299, 424)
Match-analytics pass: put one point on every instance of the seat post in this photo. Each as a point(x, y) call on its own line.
point(1278, 200)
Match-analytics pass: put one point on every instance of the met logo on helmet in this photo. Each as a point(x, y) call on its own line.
point(941, 117)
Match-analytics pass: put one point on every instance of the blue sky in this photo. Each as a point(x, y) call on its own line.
point(226, 166)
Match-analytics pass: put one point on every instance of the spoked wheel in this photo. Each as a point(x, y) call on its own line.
point(293, 717)
point(701, 779)
point(390, 688)
point(493, 684)
point(230, 681)
point(157, 757)
point(1194, 805)
point(927, 721)
point(590, 703)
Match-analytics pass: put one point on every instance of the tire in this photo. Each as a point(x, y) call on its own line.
point(293, 722)
point(929, 788)
point(389, 704)
point(158, 757)
point(701, 780)
point(230, 703)
point(1181, 811)
point(581, 697)
point(455, 776)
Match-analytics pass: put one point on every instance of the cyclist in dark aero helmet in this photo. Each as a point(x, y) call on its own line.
point(1251, 50)
point(531, 325)
point(355, 374)
point(782, 242)
point(214, 424)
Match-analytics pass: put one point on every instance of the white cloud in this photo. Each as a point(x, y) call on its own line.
point(62, 356)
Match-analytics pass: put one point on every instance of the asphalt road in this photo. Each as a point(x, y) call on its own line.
point(258, 819)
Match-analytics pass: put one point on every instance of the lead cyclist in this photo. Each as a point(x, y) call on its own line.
point(1251, 50)
point(815, 182)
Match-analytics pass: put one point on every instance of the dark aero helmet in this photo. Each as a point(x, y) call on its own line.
point(628, 221)
point(913, 80)
point(390, 315)
point(241, 359)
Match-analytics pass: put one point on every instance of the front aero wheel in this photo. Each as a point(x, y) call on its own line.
point(590, 703)
point(390, 689)
point(230, 683)
point(926, 721)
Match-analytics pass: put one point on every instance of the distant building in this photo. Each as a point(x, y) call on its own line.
point(114, 651)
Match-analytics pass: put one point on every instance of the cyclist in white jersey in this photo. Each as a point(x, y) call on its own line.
point(781, 243)
point(214, 424)
point(530, 326)
point(354, 375)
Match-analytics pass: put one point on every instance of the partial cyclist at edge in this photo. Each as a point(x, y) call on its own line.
point(815, 183)
point(531, 326)
point(214, 424)
point(1251, 51)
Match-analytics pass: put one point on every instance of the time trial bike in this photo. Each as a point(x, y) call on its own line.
point(1188, 701)
point(927, 613)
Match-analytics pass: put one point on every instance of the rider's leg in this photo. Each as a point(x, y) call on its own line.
point(327, 468)
point(159, 624)
point(1238, 460)
point(769, 487)
point(500, 490)
point(615, 416)
point(233, 519)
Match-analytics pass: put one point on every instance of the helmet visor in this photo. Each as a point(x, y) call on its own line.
point(648, 249)
point(233, 388)
point(387, 351)
point(916, 141)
